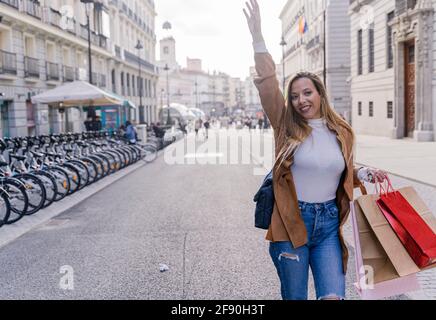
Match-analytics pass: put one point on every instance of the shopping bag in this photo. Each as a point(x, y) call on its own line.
point(415, 233)
point(379, 276)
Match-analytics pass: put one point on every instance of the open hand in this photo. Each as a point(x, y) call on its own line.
point(253, 20)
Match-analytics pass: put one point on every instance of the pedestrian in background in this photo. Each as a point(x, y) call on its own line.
point(313, 177)
point(130, 133)
point(197, 126)
point(206, 128)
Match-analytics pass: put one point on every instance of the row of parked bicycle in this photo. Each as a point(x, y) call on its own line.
point(38, 171)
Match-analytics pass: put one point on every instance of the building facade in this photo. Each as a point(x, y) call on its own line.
point(192, 86)
point(393, 66)
point(44, 44)
point(317, 39)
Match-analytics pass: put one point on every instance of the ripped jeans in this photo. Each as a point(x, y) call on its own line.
point(322, 253)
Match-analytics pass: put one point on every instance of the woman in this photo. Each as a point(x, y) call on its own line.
point(313, 177)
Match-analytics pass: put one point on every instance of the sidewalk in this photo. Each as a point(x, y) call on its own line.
point(406, 158)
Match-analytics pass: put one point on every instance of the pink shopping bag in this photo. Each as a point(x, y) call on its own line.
point(379, 276)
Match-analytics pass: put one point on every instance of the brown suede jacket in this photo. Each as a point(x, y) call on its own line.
point(286, 222)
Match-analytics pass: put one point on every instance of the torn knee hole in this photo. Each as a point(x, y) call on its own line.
point(290, 256)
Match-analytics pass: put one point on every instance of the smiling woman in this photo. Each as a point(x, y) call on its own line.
point(213, 31)
point(313, 177)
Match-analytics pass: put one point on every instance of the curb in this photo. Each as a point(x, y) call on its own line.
point(9, 233)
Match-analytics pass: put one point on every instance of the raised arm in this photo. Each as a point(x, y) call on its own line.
point(266, 82)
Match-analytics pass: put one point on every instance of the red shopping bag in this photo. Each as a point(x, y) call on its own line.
point(414, 233)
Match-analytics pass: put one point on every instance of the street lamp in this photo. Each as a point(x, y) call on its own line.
point(283, 44)
point(167, 69)
point(324, 49)
point(91, 111)
point(139, 47)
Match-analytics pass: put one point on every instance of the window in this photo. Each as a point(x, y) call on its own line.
point(166, 50)
point(128, 83)
point(133, 86)
point(390, 110)
point(371, 109)
point(359, 53)
point(359, 108)
point(411, 57)
point(389, 44)
point(401, 6)
point(123, 91)
point(371, 48)
point(141, 114)
point(114, 88)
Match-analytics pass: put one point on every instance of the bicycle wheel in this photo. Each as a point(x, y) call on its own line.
point(73, 175)
point(150, 152)
point(62, 182)
point(100, 166)
point(35, 191)
point(83, 172)
point(50, 186)
point(18, 199)
point(91, 165)
point(5, 208)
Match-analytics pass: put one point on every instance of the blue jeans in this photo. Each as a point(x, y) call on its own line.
point(322, 253)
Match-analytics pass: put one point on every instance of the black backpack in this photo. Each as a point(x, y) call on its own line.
point(264, 199)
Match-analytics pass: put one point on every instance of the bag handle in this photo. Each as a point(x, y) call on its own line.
point(385, 187)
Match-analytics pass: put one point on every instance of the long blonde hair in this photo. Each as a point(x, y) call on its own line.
point(294, 129)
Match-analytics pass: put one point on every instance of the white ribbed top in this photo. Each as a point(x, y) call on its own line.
point(318, 165)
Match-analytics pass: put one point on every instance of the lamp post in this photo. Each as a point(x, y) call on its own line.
point(167, 69)
point(324, 49)
point(283, 44)
point(91, 110)
point(139, 47)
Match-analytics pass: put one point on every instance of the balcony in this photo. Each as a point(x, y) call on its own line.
point(70, 25)
point(33, 8)
point(31, 67)
point(94, 79)
point(313, 43)
point(54, 18)
point(52, 71)
point(94, 38)
point(68, 73)
point(81, 74)
point(8, 62)
point(84, 31)
point(118, 51)
point(12, 3)
point(102, 41)
point(102, 80)
point(114, 3)
point(134, 59)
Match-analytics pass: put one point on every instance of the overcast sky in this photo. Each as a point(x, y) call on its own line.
point(216, 32)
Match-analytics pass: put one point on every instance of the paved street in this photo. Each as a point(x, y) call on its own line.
point(196, 218)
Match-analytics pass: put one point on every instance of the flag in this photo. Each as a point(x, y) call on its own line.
point(302, 26)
